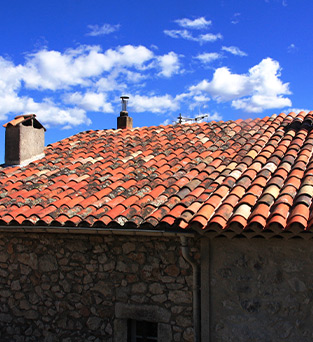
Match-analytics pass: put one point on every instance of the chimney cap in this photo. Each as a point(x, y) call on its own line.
point(125, 97)
point(23, 118)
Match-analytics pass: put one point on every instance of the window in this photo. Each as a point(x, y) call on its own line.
point(141, 323)
point(142, 331)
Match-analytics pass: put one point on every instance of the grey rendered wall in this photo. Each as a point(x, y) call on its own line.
point(259, 290)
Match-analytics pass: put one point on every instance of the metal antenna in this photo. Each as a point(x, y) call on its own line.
point(181, 119)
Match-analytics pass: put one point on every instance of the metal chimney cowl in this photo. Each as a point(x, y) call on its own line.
point(24, 140)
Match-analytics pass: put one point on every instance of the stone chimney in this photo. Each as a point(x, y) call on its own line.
point(124, 121)
point(24, 140)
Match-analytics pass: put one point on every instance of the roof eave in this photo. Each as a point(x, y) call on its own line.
point(92, 231)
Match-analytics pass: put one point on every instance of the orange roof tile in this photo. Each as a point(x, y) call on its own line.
point(184, 176)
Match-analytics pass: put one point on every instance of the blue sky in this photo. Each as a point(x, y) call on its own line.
point(69, 61)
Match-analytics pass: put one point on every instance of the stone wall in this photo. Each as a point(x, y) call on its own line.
point(261, 290)
point(57, 287)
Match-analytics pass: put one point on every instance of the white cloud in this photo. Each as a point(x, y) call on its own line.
point(292, 48)
point(49, 113)
point(96, 30)
point(166, 122)
point(109, 83)
point(215, 116)
point(199, 101)
point(87, 74)
point(54, 70)
point(283, 2)
point(297, 110)
point(201, 98)
point(199, 23)
point(258, 103)
point(90, 101)
point(265, 78)
point(10, 103)
point(179, 34)
point(154, 104)
point(187, 24)
point(169, 64)
point(185, 34)
point(133, 77)
point(259, 89)
point(234, 50)
point(10, 79)
point(209, 37)
point(208, 57)
point(224, 86)
point(235, 19)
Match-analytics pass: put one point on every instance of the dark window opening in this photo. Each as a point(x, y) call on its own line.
point(28, 123)
point(142, 331)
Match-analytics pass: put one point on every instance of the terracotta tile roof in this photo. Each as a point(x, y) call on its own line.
point(245, 175)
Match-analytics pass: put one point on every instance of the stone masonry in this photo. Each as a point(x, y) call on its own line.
point(62, 287)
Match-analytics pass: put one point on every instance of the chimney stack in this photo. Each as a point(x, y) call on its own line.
point(124, 121)
point(24, 140)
